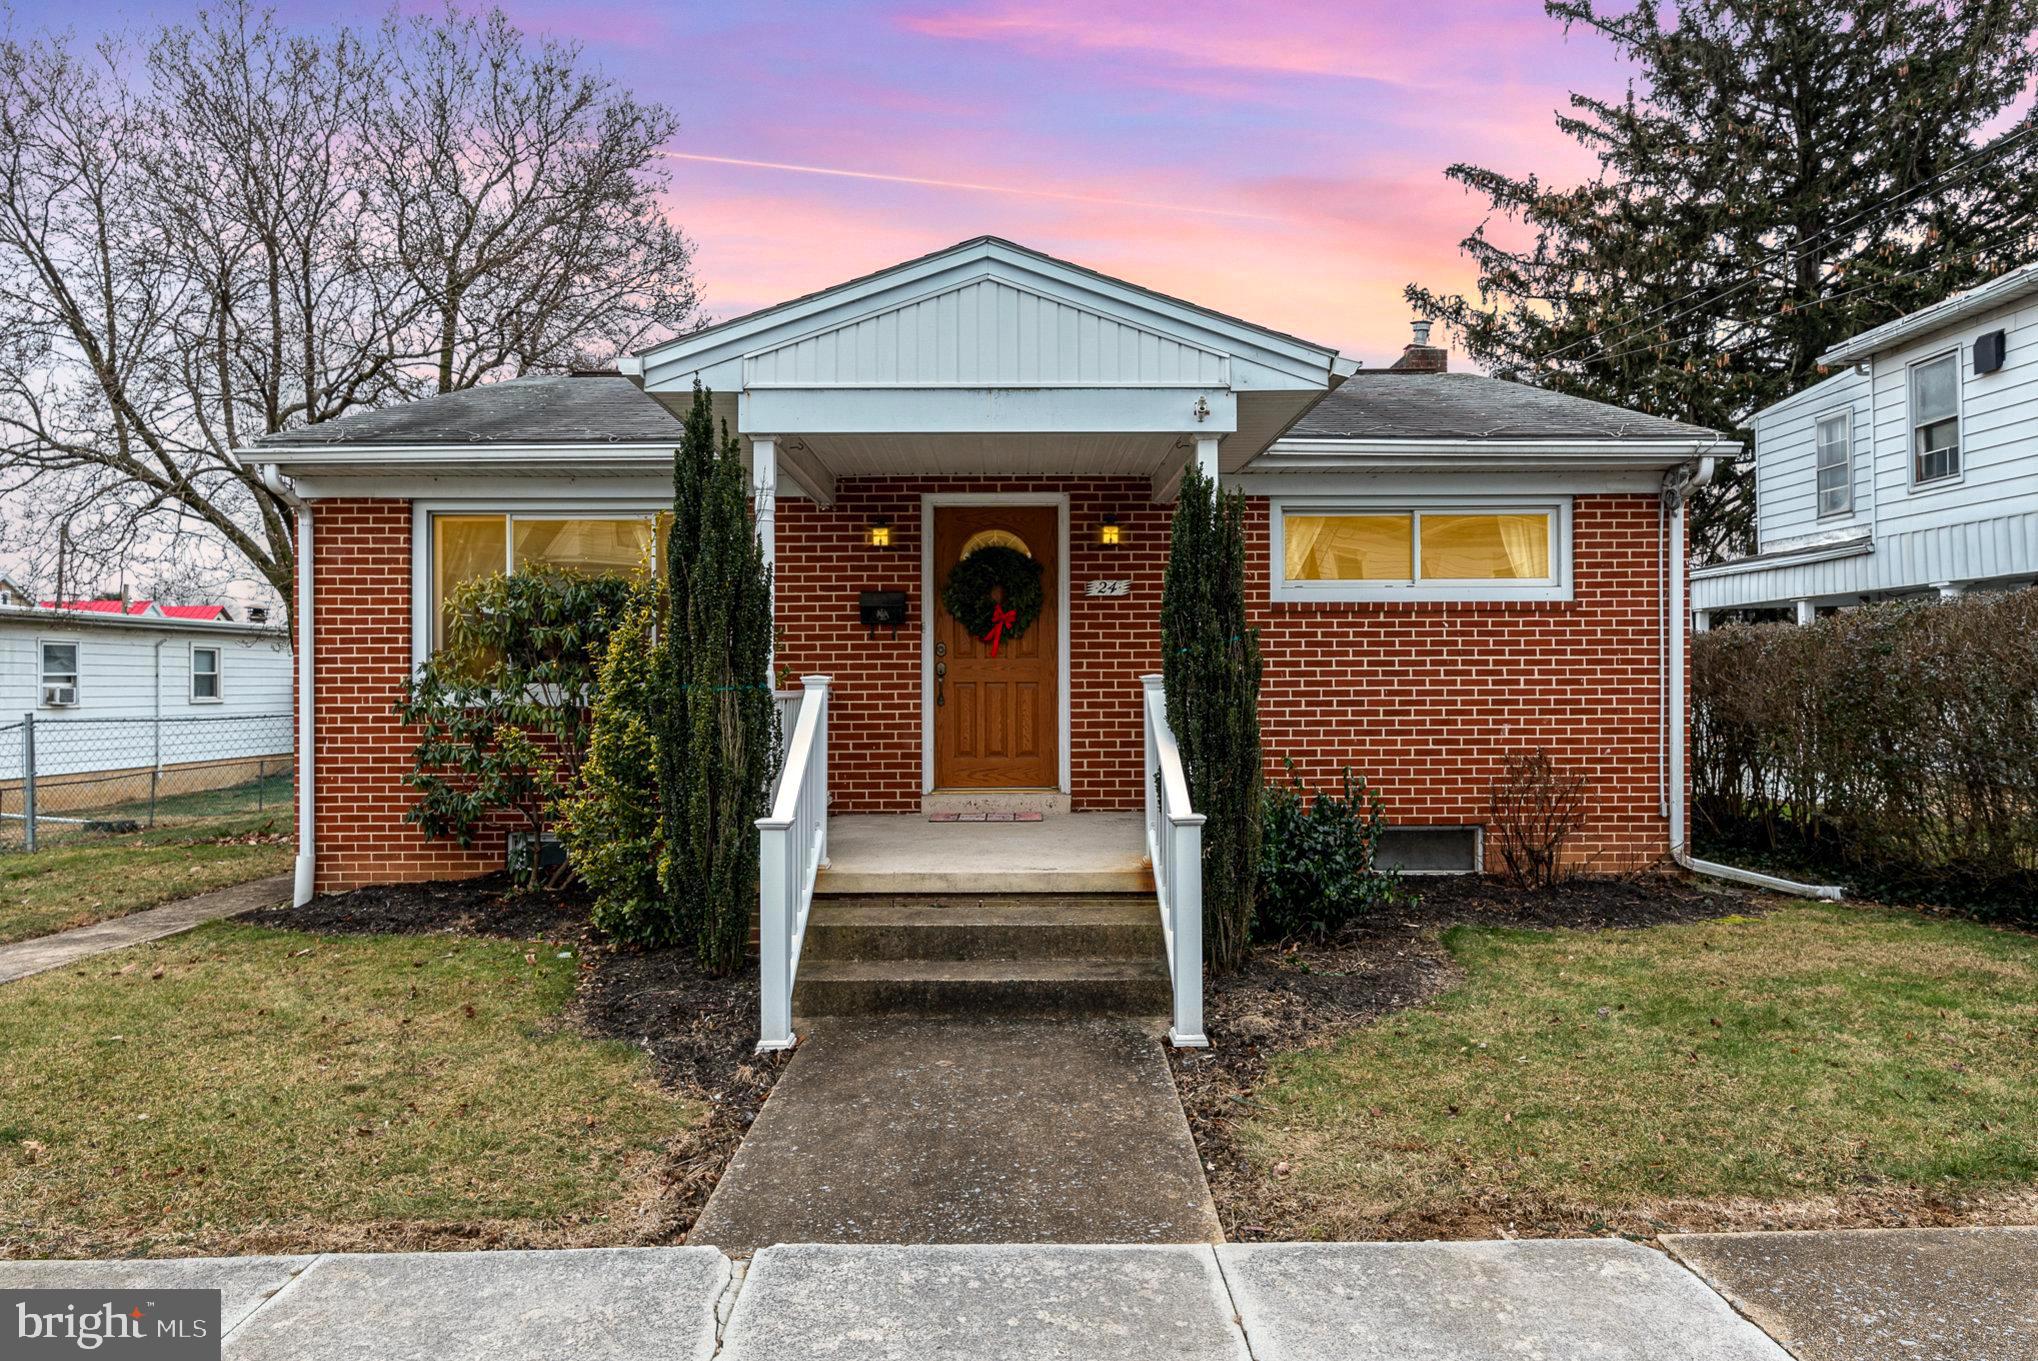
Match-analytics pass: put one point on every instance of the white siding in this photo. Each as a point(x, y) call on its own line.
point(1998, 429)
point(111, 727)
point(1786, 461)
point(985, 332)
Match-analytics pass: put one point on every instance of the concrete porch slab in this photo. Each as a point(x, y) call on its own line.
point(905, 853)
point(244, 1284)
point(966, 1132)
point(1604, 1299)
point(599, 1304)
point(1010, 1303)
point(1871, 1294)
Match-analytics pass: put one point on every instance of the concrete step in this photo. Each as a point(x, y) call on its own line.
point(1124, 878)
point(961, 927)
point(1042, 988)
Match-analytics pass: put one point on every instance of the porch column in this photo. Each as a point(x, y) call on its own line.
point(1949, 590)
point(1206, 456)
point(1807, 612)
point(764, 490)
point(1701, 621)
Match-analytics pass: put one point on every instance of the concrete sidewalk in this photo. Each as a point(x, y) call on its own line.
point(26, 957)
point(1603, 1299)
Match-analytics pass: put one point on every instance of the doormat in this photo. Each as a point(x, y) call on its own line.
point(985, 817)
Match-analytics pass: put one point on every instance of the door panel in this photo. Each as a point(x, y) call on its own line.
point(997, 720)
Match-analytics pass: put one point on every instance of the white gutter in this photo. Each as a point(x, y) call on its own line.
point(307, 784)
point(1676, 491)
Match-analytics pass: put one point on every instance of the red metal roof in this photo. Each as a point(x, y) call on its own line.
point(137, 607)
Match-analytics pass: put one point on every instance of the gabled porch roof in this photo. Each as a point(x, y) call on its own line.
point(988, 357)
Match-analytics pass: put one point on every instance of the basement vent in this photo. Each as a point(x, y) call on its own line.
point(1429, 850)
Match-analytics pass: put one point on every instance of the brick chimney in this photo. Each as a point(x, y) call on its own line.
point(1422, 357)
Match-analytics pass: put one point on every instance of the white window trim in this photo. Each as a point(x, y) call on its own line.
point(218, 673)
point(1557, 587)
point(1912, 424)
point(77, 671)
point(1846, 416)
point(421, 513)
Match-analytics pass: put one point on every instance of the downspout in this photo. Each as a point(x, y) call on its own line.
point(1677, 488)
point(307, 785)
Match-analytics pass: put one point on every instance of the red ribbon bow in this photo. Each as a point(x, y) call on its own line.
point(1000, 618)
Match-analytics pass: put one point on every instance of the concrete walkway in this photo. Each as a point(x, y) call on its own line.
point(1602, 1299)
point(966, 1132)
point(1872, 1294)
point(26, 957)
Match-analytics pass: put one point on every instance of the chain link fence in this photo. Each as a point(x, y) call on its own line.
point(66, 781)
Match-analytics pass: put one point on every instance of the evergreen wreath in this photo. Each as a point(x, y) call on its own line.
point(968, 594)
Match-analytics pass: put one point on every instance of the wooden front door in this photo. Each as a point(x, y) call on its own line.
point(997, 720)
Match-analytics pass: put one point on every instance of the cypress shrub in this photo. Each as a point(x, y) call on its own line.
point(1210, 661)
point(610, 821)
point(717, 725)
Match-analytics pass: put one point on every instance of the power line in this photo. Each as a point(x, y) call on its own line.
point(1796, 250)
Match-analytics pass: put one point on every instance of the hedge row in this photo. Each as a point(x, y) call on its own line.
point(1896, 744)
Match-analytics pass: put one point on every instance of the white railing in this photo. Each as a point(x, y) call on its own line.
point(794, 844)
point(1174, 842)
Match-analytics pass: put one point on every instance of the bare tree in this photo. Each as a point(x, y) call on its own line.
point(237, 230)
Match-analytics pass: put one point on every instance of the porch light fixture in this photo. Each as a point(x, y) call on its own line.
point(879, 534)
point(1108, 532)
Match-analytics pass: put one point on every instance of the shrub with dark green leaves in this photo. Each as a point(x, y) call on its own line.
point(1317, 870)
point(501, 708)
point(1210, 658)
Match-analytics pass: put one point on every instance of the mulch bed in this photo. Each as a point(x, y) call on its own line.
point(1304, 996)
point(699, 1031)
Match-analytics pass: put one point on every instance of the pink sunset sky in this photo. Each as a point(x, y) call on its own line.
point(1283, 162)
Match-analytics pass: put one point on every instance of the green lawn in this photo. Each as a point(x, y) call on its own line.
point(1580, 1080)
point(242, 1089)
point(75, 882)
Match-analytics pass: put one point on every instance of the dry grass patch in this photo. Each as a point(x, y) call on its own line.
point(238, 1088)
point(76, 884)
point(1860, 1065)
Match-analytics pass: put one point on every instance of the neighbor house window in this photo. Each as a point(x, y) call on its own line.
point(1836, 463)
point(204, 675)
point(59, 674)
point(1446, 551)
point(467, 546)
point(1935, 419)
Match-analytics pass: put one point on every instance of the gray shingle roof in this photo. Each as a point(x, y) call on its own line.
point(543, 409)
point(1378, 404)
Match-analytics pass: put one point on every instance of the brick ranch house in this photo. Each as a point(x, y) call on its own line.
point(1445, 569)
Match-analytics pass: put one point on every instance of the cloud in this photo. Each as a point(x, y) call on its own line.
point(965, 186)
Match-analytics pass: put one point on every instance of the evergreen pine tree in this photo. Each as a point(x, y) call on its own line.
point(1210, 662)
point(717, 721)
point(1781, 175)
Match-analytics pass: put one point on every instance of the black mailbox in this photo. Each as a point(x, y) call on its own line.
point(881, 609)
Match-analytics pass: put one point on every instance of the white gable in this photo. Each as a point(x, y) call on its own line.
point(986, 332)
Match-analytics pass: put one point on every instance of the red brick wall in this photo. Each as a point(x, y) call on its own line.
point(361, 654)
point(1425, 699)
point(875, 723)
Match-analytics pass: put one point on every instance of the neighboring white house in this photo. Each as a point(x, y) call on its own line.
point(132, 685)
point(1912, 469)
